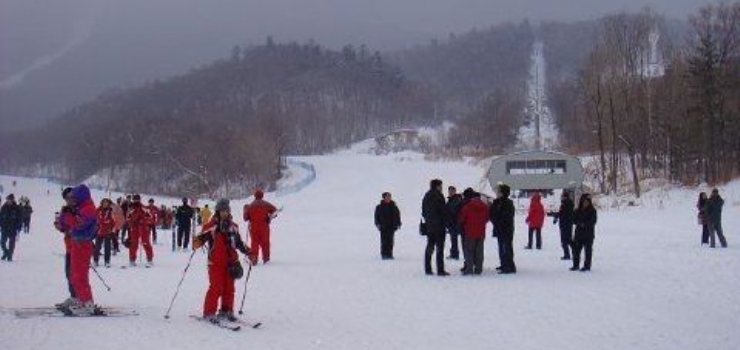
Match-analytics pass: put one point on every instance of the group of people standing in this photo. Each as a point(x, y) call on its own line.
point(465, 216)
point(14, 218)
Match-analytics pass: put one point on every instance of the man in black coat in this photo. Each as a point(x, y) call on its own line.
point(501, 213)
point(387, 220)
point(714, 218)
point(585, 220)
point(10, 225)
point(184, 217)
point(454, 204)
point(564, 219)
point(433, 211)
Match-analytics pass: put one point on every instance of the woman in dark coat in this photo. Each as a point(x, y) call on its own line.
point(701, 206)
point(585, 220)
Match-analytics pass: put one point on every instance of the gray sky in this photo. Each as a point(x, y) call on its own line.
point(90, 45)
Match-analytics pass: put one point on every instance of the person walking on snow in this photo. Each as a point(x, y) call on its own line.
point(501, 213)
point(433, 212)
point(104, 237)
point(82, 226)
point(184, 217)
point(714, 214)
point(26, 212)
point(154, 214)
point(139, 220)
point(10, 226)
point(535, 219)
point(564, 219)
point(701, 206)
point(585, 220)
point(259, 213)
point(454, 203)
point(65, 215)
point(221, 236)
point(388, 221)
point(473, 219)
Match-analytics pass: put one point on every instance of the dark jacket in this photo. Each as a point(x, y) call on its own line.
point(387, 216)
point(585, 221)
point(714, 209)
point(453, 206)
point(184, 215)
point(501, 213)
point(564, 216)
point(10, 217)
point(434, 211)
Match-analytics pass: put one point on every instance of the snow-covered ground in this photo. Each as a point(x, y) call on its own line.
point(652, 285)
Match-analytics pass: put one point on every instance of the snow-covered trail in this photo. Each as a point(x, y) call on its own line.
point(652, 285)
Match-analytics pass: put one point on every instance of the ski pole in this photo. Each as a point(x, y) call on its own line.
point(246, 280)
point(184, 272)
point(100, 277)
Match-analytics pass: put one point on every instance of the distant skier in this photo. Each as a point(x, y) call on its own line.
point(701, 207)
point(585, 220)
point(26, 212)
point(259, 214)
point(82, 226)
point(10, 225)
point(64, 216)
point(155, 217)
point(501, 213)
point(564, 219)
point(388, 221)
point(184, 218)
point(139, 221)
point(454, 203)
point(433, 211)
point(714, 214)
point(221, 235)
point(104, 236)
point(535, 219)
point(473, 219)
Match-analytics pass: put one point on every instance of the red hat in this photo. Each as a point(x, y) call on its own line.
point(259, 194)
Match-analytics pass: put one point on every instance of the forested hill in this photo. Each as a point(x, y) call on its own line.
point(229, 121)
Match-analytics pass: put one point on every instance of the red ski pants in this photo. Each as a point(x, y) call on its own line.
point(143, 235)
point(260, 241)
point(221, 287)
point(79, 274)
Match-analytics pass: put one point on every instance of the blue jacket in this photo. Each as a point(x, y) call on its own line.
point(86, 217)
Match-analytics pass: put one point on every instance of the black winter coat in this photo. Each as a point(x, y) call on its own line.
point(714, 209)
point(453, 207)
point(434, 211)
point(564, 216)
point(501, 213)
point(387, 216)
point(10, 217)
point(184, 215)
point(585, 221)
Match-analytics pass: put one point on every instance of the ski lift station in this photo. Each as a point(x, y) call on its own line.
point(537, 170)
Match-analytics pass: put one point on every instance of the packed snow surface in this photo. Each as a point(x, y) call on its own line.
point(652, 285)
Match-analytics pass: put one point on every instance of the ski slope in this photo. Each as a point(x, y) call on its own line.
point(652, 285)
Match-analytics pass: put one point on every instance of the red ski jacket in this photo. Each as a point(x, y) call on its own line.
point(222, 242)
point(259, 213)
point(536, 216)
point(106, 223)
point(473, 218)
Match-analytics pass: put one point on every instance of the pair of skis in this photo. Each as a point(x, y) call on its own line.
point(228, 325)
point(31, 312)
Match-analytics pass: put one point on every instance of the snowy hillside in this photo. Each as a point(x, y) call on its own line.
point(652, 285)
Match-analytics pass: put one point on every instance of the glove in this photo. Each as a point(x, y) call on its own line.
point(198, 242)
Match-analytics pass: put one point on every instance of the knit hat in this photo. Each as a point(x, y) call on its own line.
point(259, 194)
point(222, 204)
